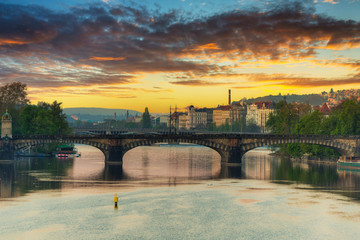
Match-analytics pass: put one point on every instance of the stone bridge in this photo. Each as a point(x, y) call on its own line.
point(231, 147)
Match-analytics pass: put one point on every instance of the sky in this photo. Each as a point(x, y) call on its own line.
point(156, 54)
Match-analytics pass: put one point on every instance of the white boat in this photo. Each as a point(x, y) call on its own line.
point(349, 163)
point(67, 151)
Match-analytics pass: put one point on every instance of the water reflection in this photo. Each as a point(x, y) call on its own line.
point(171, 161)
point(167, 164)
point(259, 164)
point(7, 178)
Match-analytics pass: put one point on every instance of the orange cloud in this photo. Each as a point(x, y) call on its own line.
point(107, 58)
point(330, 1)
point(199, 83)
point(288, 80)
point(208, 46)
point(12, 41)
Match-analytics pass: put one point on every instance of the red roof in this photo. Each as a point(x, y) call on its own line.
point(224, 108)
point(325, 109)
point(265, 104)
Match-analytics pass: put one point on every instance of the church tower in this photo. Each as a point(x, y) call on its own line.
point(6, 125)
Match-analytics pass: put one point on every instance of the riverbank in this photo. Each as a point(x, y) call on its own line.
point(307, 159)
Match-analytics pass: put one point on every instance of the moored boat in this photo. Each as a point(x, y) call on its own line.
point(66, 151)
point(348, 163)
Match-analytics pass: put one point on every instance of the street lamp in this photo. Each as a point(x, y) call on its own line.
point(298, 128)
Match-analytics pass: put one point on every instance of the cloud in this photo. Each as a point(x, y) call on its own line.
point(118, 43)
point(330, 1)
point(20, 27)
point(107, 58)
point(289, 80)
point(202, 83)
point(243, 87)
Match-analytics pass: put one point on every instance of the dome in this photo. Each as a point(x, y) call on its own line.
point(6, 116)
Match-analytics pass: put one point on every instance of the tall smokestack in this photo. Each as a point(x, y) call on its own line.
point(229, 96)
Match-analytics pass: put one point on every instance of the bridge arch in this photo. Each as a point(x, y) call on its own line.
point(18, 145)
point(342, 148)
point(219, 148)
point(231, 147)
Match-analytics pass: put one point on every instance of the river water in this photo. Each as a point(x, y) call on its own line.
point(177, 192)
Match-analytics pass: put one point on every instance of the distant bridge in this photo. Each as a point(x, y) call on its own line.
point(231, 147)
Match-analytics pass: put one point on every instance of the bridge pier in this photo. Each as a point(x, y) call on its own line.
point(230, 171)
point(6, 151)
point(114, 156)
point(231, 156)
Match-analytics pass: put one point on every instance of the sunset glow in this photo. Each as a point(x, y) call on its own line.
point(117, 54)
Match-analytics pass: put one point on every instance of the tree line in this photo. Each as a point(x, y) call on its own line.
point(28, 119)
point(294, 118)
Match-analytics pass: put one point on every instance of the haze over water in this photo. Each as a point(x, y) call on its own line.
point(177, 192)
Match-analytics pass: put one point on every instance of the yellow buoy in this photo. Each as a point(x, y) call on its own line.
point(116, 199)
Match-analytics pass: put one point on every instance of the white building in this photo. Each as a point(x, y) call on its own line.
point(197, 118)
point(259, 113)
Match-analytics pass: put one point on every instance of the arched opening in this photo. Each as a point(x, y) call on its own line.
point(173, 161)
point(90, 165)
point(259, 163)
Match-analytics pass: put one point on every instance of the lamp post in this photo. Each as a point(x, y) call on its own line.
point(298, 128)
point(170, 124)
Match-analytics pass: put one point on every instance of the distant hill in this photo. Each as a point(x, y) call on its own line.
point(312, 99)
point(97, 114)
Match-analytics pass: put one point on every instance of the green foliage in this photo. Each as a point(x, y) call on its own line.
point(286, 118)
point(48, 148)
point(315, 175)
point(13, 94)
point(43, 119)
point(311, 124)
point(211, 127)
point(237, 126)
point(146, 120)
point(46, 119)
point(252, 127)
point(347, 117)
point(13, 97)
point(292, 119)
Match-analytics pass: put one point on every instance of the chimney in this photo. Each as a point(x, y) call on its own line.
point(229, 96)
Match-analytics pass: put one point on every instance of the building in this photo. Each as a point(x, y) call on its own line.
point(237, 112)
point(182, 121)
point(197, 118)
point(221, 115)
point(325, 109)
point(6, 125)
point(193, 118)
point(161, 120)
point(178, 120)
point(259, 113)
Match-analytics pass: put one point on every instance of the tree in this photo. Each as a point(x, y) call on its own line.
point(348, 118)
point(298, 118)
point(43, 119)
point(13, 94)
point(146, 120)
point(284, 120)
point(59, 118)
point(13, 97)
point(251, 126)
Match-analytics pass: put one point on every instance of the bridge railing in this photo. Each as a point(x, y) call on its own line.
point(187, 134)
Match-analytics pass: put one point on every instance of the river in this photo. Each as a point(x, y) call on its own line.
point(177, 192)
